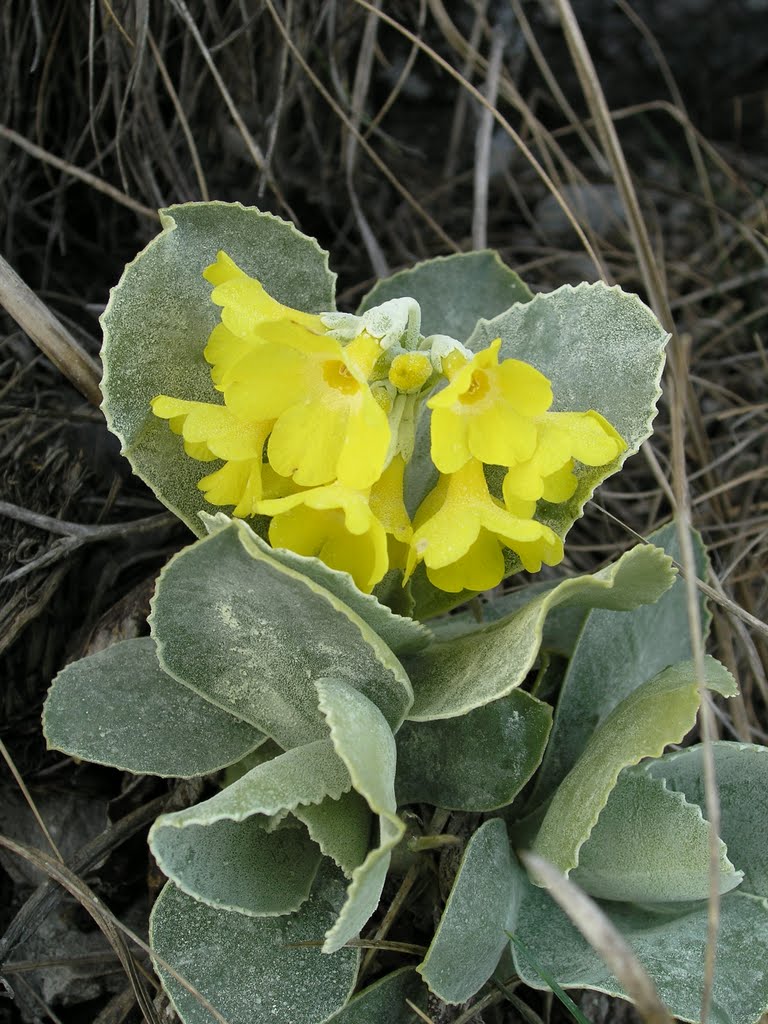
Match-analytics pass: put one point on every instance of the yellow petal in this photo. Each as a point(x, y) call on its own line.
point(449, 447)
point(215, 427)
point(233, 483)
point(560, 485)
point(511, 529)
point(307, 440)
point(553, 447)
point(548, 550)
point(593, 440)
point(224, 350)
point(499, 436)
point(526, 389)
point(444, 532)
point(245, 302)
point(335, 525)
point(199, 450)
point(387, 503)
point(523, 482)
point(265, 383)
point(361, 459)
point(481, 568)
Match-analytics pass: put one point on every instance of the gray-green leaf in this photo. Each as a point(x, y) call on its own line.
point(670, 942)
point(614, 655)
point(384, 1002)
point(222, 851)
point(364, 742)
point(253, 970)
point(454, 292)
point(118, 707)
point(650, 846)
point(252, 635)
point(453, 677)
point(399, 633)
point(741, 771)
point(659, 712)
point(475, 762)
point(481, 909)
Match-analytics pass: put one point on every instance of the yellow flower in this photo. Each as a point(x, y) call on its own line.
point(334, 524)
point(246, 309)
point(486, 410)
point(561, 438)
point(214, 432)
point(459, 532)
point(318, 423)
point(327, 423)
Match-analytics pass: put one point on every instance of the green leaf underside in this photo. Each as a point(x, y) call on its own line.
point(741, 771)
point(252, 636)
point(456, 676)
point(399, 633)
point(562, 626)
point(119, 708)
point(481, 909)
point(659, 712)
point(669, 941)
point(476, 762)
point(341, 828)
point(649, 638)
point(249, 967)
point(302, 775)
point(237, 865)
point(364, 742)
point(649, 846)
point(160, 315)
point(384, 1002)
point(454, 292)
point(602, 349)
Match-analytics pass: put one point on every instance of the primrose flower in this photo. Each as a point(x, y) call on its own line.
point(486, 410)
point(460, 530)
point(327, 423)
point(561, 437)
point(334, 524)
point(246, 310)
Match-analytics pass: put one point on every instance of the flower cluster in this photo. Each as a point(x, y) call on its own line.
point(318, 422)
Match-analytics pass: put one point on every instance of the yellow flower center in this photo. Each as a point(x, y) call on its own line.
point(338, 376)
point(478, 389)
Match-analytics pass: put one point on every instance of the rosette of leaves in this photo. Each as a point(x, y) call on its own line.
point(329, 713)
point(321, 698)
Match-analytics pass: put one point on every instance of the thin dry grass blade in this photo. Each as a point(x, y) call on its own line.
point(30, 802)
point(483, 140)
point(77, 172)
point(112, 928)
point(502, 121)
point(48, 333)
point(370, 152)
point(106, 922)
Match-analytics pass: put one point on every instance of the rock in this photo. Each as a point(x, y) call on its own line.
point(599, 206)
